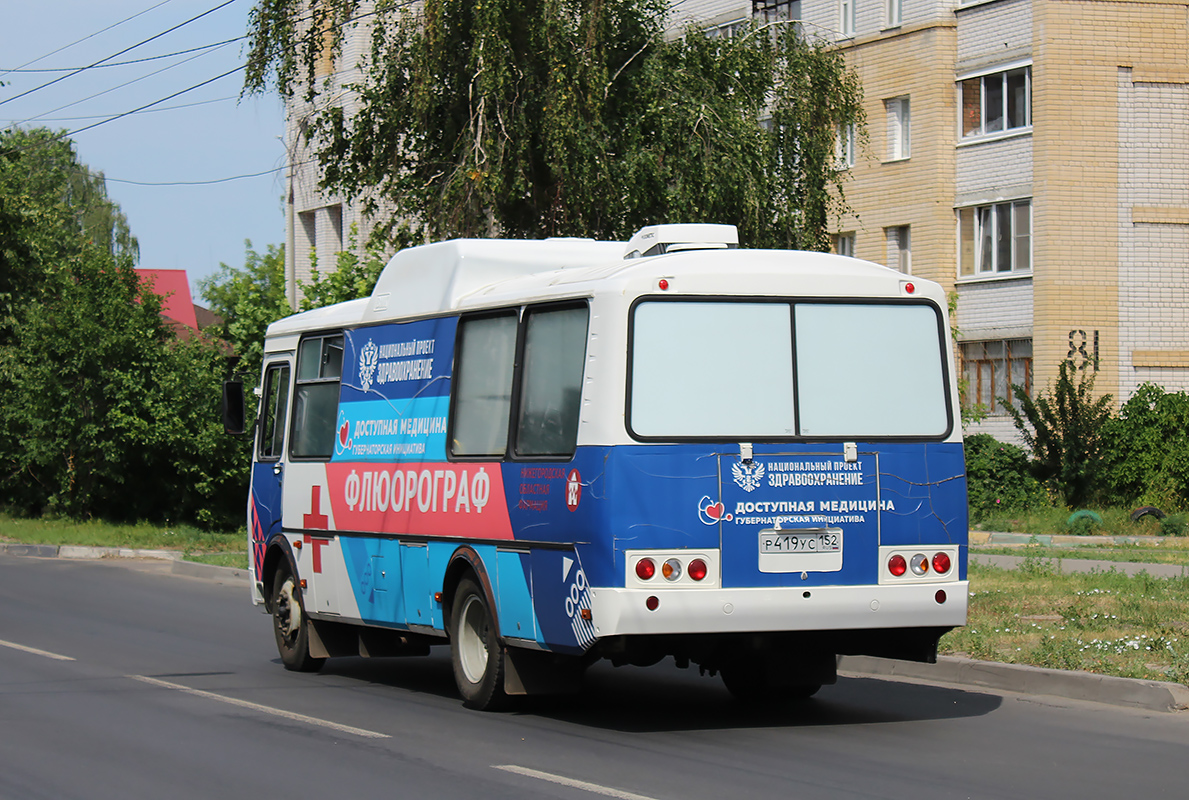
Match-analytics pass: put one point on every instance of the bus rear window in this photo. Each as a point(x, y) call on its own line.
point(868, 370)
point(725, 370)
point(712, 370)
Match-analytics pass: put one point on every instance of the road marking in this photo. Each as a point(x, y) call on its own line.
point(276, 712)
point(606, 791)
point(35, 651)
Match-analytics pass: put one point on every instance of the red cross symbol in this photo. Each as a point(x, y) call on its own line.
point(315, 519)
point(317, 545)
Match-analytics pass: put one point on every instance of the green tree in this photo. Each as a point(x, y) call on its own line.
point(248, 298)
point(51, 208)
point(527, 118)
point(1063, 428)
point(105, 412)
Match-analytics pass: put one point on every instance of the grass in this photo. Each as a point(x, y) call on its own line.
point(226, 549)
point(1166, 551)
point(1050, 520)
point(1104, 622)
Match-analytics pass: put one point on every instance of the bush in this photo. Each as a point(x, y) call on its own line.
point(997, 478)
point(1064, 428)
point(1147, 450)
point(1175, 525)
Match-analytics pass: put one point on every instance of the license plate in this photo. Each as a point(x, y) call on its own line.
point(802, 550)
point(817, 541)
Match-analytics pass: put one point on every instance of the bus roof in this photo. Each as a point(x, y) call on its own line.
point(476, 273)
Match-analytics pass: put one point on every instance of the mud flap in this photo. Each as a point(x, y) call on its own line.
point(528, 672)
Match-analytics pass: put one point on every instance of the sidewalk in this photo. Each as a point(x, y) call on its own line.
point(1071, 564)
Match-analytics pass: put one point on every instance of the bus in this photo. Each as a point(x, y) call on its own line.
point(546, 453)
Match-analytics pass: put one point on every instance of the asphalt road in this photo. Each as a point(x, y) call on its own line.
point(173, 689)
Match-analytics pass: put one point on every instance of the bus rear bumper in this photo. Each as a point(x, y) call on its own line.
point(679, 611)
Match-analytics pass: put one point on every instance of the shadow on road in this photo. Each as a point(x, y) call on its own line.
point(664, 698)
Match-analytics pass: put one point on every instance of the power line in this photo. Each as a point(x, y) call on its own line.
point(206, 183)
point(85, 38)
point(155, 102)
point(122, 85)
point(122, 52)
point(146, 111)
point(134, 61)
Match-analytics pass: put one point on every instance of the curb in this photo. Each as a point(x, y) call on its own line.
point(1025, 679)
point(1057, 539)
point(82, 551)
point(192, 569)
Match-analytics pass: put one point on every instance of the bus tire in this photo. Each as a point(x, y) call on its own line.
point(475, 650)
point(749, 683)
point(290, 625)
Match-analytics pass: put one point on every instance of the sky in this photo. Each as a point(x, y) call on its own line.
point(216, 135)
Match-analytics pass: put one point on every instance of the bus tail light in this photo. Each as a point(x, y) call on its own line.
point(671, 569)
point(919, 564)
point(697, 569)
point(645, 569)
point(897, 565)
point(941, 563)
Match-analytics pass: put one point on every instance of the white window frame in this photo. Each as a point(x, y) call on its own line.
point(844, 244)
point(899, 115)
point(844, 146)
point(899, 243)
point(990, 214)
point(846, 18)
point(982, 76)
point(895, 13)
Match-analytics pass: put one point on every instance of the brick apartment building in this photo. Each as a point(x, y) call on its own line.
point(1032, 156)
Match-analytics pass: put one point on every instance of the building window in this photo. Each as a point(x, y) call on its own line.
point(991, 368)
point(997, 102)
point(995, 239)
point(899, 253)
point(895, 9)
point(844, 146)
point(846, 17)
point(727, 30)
point(844, 244)
point(899, 128)
point(776, 10)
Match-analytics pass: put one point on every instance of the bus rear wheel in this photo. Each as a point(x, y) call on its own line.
point(290, 625)
point(475, 650)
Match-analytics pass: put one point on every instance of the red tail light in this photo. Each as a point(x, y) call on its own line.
point(897, 565)
point(645, 569)
point(697, 569)
point(941, 563)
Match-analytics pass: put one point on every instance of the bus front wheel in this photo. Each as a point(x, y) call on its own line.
point(290, 624)
point(475, 649)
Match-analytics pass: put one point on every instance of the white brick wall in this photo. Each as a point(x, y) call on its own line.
point(1153, 258)
point(993, 170)
point(999, 309)
point(993, 31)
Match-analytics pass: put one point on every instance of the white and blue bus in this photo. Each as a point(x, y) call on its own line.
point(545, 453)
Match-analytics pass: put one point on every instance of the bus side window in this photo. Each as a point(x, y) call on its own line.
point(483, 386)
point(316, 396)
point(272, 411)
point(551, 382)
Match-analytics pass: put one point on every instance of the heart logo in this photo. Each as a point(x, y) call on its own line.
point(715, 511)
point(343, 432)
point(712, 513)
